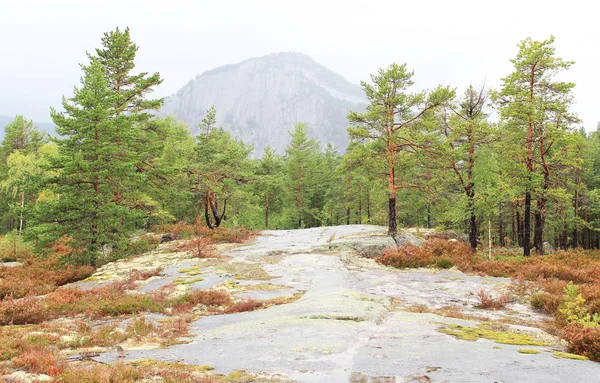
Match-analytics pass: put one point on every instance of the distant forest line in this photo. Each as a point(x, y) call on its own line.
point(426, 158)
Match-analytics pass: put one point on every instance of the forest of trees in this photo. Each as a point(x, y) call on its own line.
point(514, 158)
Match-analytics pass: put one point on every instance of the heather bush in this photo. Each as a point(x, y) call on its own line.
point(39, 276)
point(40, 362)
point(487, 301)
point(583, 340)
point(22, 311)
point(407, 257)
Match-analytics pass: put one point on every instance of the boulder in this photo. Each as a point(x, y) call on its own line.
point(373, 246)
point(547, 248)
point(405, 239)
point(168, 237)
point(24, 377)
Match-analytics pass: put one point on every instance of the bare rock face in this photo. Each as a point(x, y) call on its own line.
point(259, 100)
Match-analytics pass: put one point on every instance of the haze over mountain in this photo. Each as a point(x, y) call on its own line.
point(260, 99)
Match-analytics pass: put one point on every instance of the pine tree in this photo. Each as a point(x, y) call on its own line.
point(269, 180)
point(299, 160)
point(137, 136)
point(86, 209)
point(464, 131)
point(117, 57)
point(391, 119)
point(220, 163)
point(534, 104)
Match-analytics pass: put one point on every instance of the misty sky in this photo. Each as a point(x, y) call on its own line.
point(449, 42)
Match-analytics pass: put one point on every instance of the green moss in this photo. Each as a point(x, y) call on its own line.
point(248, 271)
point(191, 271)
point(337, 317)
point(265, 287)
point(229, 284)
point(100, 278)
point(181, 281)
point(498, 334)
point(453, 278)
point(147, 362)
point(272, 259)
point(241, 376)
point(566, 355)
point(528, 351)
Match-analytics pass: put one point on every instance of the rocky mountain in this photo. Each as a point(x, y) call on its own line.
point(259, 100)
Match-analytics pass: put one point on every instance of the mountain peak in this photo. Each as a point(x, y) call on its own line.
point(260, 99)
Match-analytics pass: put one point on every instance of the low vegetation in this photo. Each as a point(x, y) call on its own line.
point(565, 284)
point(41, 319)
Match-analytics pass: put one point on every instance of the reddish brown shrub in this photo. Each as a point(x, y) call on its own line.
point(546, 302)
point(204, 297)
point(487, 301)
point(62, 246)
point(40, 362)
point(180, 228)
point(434, 251)
point(117, 373)
point(129, 282)
point(248, 305)
point(200, 247)
point(407, 257)
point(22, 311)
point(583, 340)
point(226, 234)
point(126, 373)
point(39, 276)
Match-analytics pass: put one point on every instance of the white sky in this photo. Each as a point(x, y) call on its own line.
point(446, 42)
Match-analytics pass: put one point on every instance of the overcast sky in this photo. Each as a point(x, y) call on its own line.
point(446, 42)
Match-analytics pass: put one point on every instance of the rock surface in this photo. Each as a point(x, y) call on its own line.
point(259, 100)
point(11, 264)
point(24, 377)
point(357, 322)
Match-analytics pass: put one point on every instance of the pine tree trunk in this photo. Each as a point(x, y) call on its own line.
point(206, 212)
point(21, 214)
point(538, 230)
point(267, 211)
point(527, 225)
point(513, 234)
point(368, 206)
point(519, 229)
point(360, 211)
point(392, 227)
point(472, 223)
point(500, 227)
point(428, 217)
point(348, 199)
point(575, 226)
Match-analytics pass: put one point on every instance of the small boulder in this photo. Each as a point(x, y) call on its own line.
point(24, 377)
point(11, 264)
point(168, 237)
point(547, 248)
point(405, 239)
